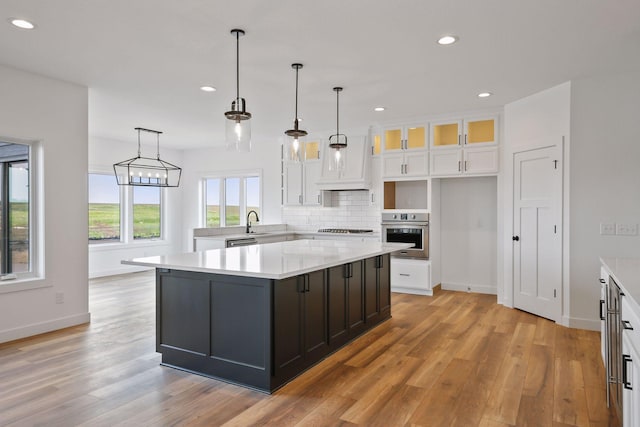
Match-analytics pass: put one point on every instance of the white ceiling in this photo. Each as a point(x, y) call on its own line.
point(145, 60)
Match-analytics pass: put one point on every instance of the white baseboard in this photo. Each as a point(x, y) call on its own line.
point(41, 328)
point(579, 323)
point(116, 271)
point(480, 289)
point(413, 291)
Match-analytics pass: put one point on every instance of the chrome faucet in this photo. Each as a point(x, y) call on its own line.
point(249, 222)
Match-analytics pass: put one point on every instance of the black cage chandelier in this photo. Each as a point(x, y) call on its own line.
point(147, 171)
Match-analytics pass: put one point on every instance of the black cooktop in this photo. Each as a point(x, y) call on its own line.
point(344, 230)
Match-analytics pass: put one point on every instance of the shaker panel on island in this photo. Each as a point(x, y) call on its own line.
point(258, 316)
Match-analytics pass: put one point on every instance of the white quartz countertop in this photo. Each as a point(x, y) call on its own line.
point(626, 273)
point(274, 260)
point(246, 235)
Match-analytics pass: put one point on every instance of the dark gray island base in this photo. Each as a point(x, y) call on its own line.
point(261, 333)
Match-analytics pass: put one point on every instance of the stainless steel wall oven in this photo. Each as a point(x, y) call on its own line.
point(407, 228)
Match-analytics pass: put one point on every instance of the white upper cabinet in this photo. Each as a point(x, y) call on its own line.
point(405, 152)
point(404, 138)
point(465, 146)
point(355, 174)
point(301, 178)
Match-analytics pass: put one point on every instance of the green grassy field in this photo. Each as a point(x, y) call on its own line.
point(104, 220)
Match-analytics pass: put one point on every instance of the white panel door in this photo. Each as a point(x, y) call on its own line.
point(311, 192)
point(416, 163)
point(292, 184)
point(537, 235)
point(446, 162)
point(481, 160)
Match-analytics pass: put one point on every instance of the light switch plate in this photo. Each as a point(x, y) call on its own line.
point(627, 229)
point(607, 229)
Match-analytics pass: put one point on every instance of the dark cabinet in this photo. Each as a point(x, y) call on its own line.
point(346, 302)
point(299, 322)
point(377, 295)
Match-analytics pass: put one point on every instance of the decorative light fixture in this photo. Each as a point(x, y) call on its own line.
point(293, 150)
point(146, 171)
point(238, 132)
point(337, 141)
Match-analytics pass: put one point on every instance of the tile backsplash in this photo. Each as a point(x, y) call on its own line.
point(350, 209)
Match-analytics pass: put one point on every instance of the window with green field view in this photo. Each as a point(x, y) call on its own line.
point(15, 205)
point(104, 208)
point(146, 213)
point(228, 199)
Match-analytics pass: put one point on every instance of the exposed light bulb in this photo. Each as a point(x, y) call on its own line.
point(238, 130)
point(296, 145)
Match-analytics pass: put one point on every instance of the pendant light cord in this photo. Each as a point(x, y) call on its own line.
point(158, 146)
point(296, 117)
point(338, 114)
point(238, 68)
point(139, 143)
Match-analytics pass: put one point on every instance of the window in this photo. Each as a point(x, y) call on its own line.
point(15, 209)
point(122, 214)
point(104, 208)
point(146, 213)
point(228, 199)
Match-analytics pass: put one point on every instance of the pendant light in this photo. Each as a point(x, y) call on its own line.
point(293, 150)
point(146, 171)
point(238, 129)
point(337, 141)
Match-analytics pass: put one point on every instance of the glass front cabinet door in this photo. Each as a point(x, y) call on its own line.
point(405, 138)
point(464, 133)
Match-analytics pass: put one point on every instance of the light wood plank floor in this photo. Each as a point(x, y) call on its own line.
point(453, 359)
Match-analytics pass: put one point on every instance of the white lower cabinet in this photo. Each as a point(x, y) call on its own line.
point(630, 382)
point(411, 276)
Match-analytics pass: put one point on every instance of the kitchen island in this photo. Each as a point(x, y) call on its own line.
point(260, 315)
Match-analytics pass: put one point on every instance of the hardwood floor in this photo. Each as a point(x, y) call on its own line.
point(452, 359)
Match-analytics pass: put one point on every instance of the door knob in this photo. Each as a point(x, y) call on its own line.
point(516, 238)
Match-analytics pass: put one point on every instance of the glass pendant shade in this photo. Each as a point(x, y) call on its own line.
point(238, 126)
point(338, 141)
point(294, 146)
point(147, 171)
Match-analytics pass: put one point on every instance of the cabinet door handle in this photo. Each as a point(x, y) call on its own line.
point(627, 325)
point(465, 165)
point(372, 198)
point(465, 139)
point(601, 309)
point(300, 284)
point(300, 198)
point(319, 199)
point(405, 274)
point(602, 281)
point(516, 238)
point(459, 166)
point(625, 373)
point(306, 283)
point(459, 136)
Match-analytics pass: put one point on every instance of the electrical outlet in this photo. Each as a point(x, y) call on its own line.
point(627, 229)
point(59, 297)
point(607, 229)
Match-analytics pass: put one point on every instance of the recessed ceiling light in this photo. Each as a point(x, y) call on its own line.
point(379, 109)
point(24, 24)
point(208, 88)
point(445, 40)
point(484, 94)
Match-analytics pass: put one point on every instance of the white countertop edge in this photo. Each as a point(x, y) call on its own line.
point(387, 249)
point(626, 273)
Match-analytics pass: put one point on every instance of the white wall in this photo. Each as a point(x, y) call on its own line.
point(537, 120)
point(264, 157)
point(468, 230)
point(605, 181)
point(104, 258)
point(55, 113)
